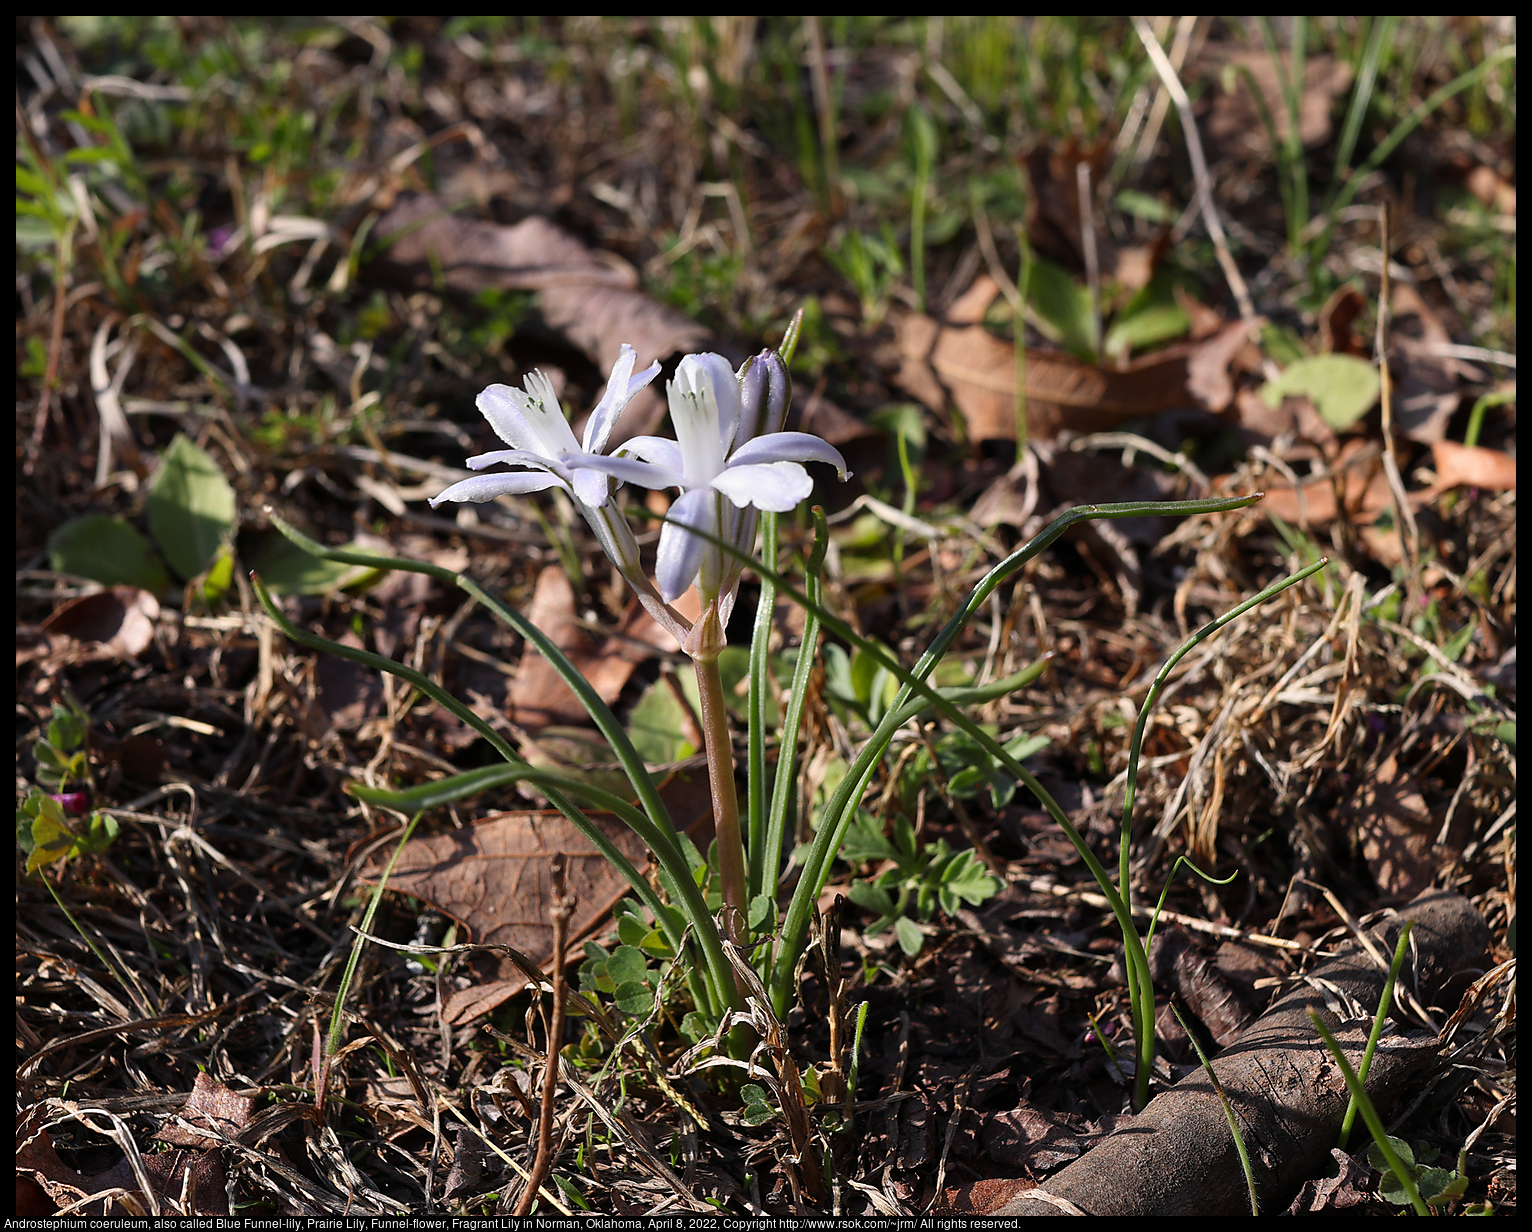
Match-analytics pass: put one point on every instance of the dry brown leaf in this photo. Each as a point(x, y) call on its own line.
point(1336, 318)
point(120, 619)
point(975, 371)
point(1365, 493)
point(1208, 363)
point(1053, 200)
point(1234, 124)
point(1298, 416)
point(346, 694)
point(494, 879)
point(590, 297)
point(1427, 384)
point(539, 697)
point(1491, 189)
point(211, 1106)
point(1472, 467)
point(1397, 832)
point(183, 1182)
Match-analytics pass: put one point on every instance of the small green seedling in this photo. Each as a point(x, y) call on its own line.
point(923, 876)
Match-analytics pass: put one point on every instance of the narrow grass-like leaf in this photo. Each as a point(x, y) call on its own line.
point(1378, 1020)
point(1402, 1174)
point(1228, 1111)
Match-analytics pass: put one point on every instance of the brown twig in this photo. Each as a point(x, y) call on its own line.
point(563, 908)
point(1404, 516)
point(1204, 181)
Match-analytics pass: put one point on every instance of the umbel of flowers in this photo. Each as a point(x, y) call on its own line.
point(730, 460)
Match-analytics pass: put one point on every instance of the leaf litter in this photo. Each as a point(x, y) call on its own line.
point(1291, 750)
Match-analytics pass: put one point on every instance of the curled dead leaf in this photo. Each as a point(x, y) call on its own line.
point(589, 296)
point(1472, 467)
point(120, 619)
point(970, 368)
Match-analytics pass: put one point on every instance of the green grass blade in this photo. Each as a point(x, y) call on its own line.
point(1378, 1019)
point(1370, 1114)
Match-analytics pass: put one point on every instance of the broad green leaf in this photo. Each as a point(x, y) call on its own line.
point(288, 570)
point(1063, 308)
point(1145, 327)
point(910, 937)
point(191, 507)
point(1342, 387)
point(656, 724)
point(763, 913)
point(51, 837)
point(634, 999)
point(656, 945)
point(215, 583)
point(627, 965)
point(109, 551)
point(870, 898)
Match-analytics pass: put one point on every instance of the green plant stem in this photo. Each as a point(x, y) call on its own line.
point(838, 813)
point(781, 813)
point(718, 991)
point(763, 864)
point(338, 1014)
point(1125, 850)
point(1370, 1115)
point(1378, 1019)
point(1228, 1111)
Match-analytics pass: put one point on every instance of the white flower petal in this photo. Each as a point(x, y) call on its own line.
point(631, 470)
point(774, 486)
point(680, 554)
point(658, 450)
point(512, 457)
point(502, 407)
point(721, 378)
point(541, 406)
point(620, 388)
point(592, 487)
point(694, 415)
point(487, 487)
point(789, 447)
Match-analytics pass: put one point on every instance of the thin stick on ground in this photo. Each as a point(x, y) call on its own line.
point(563, 908)
point(1183, 103)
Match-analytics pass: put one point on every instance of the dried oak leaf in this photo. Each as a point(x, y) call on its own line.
point(182, 1182)
point(969, 367)
point(539, 697)
point(1397, 832)
point(120, 620)
point(494, 879)
point(210, 1107)
point(1472, 467)
point(591, 297)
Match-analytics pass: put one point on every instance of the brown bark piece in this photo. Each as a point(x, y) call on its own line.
point(1177, 1157)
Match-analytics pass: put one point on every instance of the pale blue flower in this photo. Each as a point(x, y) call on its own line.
point(533, 423)
point(728, 460)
